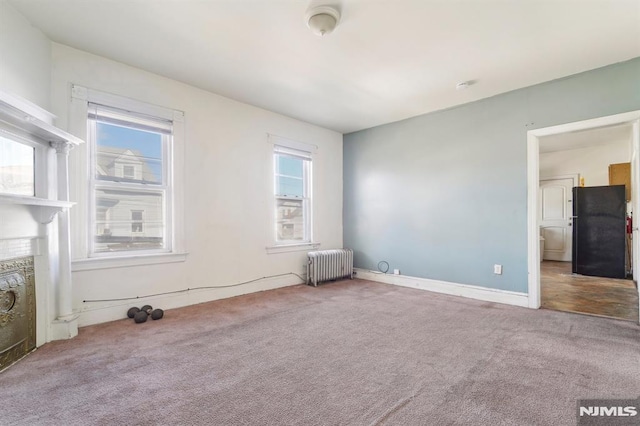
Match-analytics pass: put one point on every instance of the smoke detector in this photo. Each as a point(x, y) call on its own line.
point(322, 20)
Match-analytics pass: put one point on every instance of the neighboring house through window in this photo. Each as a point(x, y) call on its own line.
point(292, 170)
point(130, 182)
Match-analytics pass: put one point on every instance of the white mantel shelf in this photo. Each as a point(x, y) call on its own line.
point(42, 209)
point(34, 201)
point(26, 117)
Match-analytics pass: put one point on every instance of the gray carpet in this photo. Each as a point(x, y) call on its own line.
point(346, 353)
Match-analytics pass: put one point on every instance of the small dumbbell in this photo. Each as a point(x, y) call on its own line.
point(132, 312)
point(140, 316)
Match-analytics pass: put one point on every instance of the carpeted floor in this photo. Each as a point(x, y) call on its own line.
point(345, 353)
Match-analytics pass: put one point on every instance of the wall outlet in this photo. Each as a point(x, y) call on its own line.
point(396, 272)
point(497, 269)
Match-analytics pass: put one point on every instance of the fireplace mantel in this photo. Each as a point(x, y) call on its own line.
point(43, 210)
point(41, 221)
point(25, 118)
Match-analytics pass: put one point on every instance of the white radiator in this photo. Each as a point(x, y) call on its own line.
point(325, 265)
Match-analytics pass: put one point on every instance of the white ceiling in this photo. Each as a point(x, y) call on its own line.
point(586, 138)
point(387, 60)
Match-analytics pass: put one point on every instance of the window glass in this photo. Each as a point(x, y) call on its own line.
point(128, 153)
point(121, 224)
point(292, 187)
point(130, 192)
point(292, 195)
point(290, 222)
point(16, 168)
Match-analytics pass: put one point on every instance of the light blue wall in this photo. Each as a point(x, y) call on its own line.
point(444, 195)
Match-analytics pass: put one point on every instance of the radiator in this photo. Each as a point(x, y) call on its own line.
point(325, 265)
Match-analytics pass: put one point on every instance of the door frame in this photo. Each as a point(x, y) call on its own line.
point(575, 178)
point(533, 185)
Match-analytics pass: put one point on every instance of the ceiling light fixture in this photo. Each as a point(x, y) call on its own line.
point(322, 20)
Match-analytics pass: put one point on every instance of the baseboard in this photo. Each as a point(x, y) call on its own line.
point(96, 313)
point(445, 287)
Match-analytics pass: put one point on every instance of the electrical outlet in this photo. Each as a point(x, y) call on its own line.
point(497, 269)
point(396, 272)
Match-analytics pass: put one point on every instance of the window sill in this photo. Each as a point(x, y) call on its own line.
point(286, 248)
point(125, 262)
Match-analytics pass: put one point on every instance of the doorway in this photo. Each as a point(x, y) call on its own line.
point(551, 283)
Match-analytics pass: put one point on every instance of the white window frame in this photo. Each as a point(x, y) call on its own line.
point(288, 147)
point(165, 187)
point(81, 164)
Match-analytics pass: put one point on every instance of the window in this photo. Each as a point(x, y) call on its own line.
point(16, 168)
point(130, 184)
point(136, 221)
point(129, 172)
point(292, 195)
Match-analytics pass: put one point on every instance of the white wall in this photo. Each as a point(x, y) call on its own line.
point(592, 163)
point(25, 57)
point(227, 195)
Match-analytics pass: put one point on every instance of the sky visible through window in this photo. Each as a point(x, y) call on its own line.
point(147, 145)
point(290, 176)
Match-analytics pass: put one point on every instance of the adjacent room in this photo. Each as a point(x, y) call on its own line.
point(353, 212)
point(581, 278)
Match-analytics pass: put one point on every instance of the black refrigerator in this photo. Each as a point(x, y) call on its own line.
point(599, 227)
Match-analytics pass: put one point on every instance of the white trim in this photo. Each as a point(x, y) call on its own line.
point(27, 107)
point(533, 227)
point(574, 176)
point(594, 123)
point(635, 201)
point(286, 248)
point(130, 260)
point(123, 103)
point(290, 143)
point(533, 185)
point(29, 121)
point(445, 287)
point(80, 166)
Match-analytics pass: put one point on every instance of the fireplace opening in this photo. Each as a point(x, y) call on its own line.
point(17, 310)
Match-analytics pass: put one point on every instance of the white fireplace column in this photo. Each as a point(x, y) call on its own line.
point(65, 325)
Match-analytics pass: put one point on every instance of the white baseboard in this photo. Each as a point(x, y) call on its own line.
point(96, 313)
point(445, 287)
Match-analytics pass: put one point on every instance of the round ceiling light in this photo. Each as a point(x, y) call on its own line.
point(322, 20)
